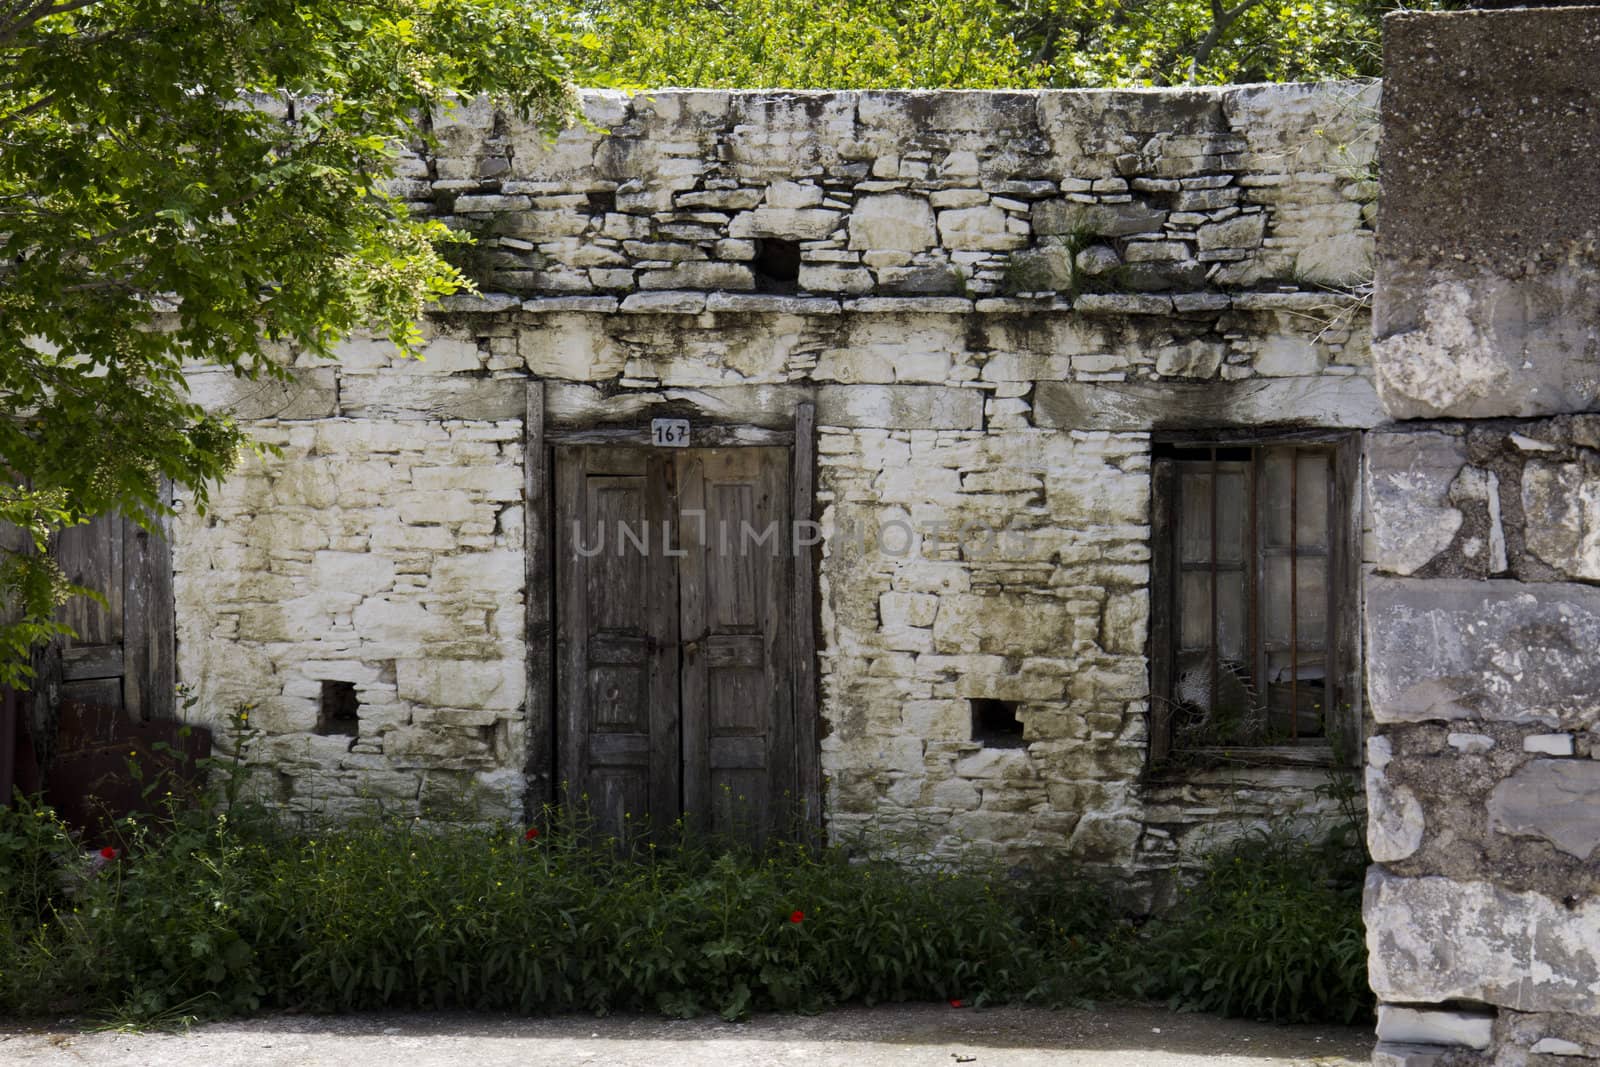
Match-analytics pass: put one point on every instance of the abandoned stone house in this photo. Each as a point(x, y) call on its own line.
point(919, 463)
point(969, 471)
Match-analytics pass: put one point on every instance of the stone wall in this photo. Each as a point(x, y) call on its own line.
point(998, 299)
point(1483, 619)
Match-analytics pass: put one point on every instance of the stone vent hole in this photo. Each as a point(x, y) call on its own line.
point(777, 264)
point(339, 714)
point(995, 724)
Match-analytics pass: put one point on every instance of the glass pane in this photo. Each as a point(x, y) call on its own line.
point(1194, 522)
point(1312, 578)
point(1233, 616)
point(1275, 496)
point(1194, 610)
point(1311, 524)
point(1194, 613)
point(1233, 492)
point(1311, 516)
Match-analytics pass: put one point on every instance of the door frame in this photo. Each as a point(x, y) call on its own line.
point(539, 441)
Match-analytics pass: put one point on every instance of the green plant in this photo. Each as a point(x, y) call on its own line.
point(223, 910)
point(1272, 931)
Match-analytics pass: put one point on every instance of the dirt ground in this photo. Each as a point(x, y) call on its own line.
point(923, 1035)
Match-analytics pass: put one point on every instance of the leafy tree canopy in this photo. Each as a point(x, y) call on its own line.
point(202, 182)
point(970, 44)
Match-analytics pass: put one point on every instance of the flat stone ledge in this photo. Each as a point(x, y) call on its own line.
point(772, 304)
point(664, 301)
point(1017, 305)
point(384, 396)
point(310, 394)
point(1343, 402)
point(547, 305)
point(1189, 303)
point(1122, 304)
point(899, 407)
point(694, 301)
point(480, 303)
point(1300, 301)
point(927, 305)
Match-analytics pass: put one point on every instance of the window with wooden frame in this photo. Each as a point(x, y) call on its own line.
point(1253, 598)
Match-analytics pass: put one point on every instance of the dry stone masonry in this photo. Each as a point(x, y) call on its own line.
point(1483, 612)
point(997, 302)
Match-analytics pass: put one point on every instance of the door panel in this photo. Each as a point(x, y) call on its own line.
point(91, 555)
point(737, 703)
point(123, 654)
point(672, 652)
point(616, 637)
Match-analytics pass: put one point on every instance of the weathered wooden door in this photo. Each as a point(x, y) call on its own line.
point(673, 653)
point(108, 691)
point(123, 653)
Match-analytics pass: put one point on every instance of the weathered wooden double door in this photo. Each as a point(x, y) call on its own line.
point(673, 655)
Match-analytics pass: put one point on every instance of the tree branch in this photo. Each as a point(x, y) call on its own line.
point(1220, 21)
point(21, 17)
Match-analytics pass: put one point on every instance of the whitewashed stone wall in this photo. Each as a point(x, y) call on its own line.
point(1000, 298)
point(379, 552)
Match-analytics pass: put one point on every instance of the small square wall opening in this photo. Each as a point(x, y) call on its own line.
point(995, 724)
point(339, 715)
point(776, 264)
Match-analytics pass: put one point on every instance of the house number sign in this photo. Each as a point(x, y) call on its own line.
point(669, 433)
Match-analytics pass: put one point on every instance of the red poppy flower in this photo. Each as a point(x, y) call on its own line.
point(955, 1002)
point(533, 832)
point(108, 853)
point(797, 916)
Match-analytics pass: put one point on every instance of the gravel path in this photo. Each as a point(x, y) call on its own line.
point(915, 1035)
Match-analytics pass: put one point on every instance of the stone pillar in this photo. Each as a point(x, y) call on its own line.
point(1483, 612)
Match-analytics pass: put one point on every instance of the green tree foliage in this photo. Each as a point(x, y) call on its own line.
point(203, 183)
point(981, 44)
point(798, 44)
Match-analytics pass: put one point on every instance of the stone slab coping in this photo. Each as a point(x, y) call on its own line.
point(695, 302)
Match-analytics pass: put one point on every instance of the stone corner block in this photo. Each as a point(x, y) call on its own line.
point(1408, 487)
point(1433, 939)
point(1437, 650)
